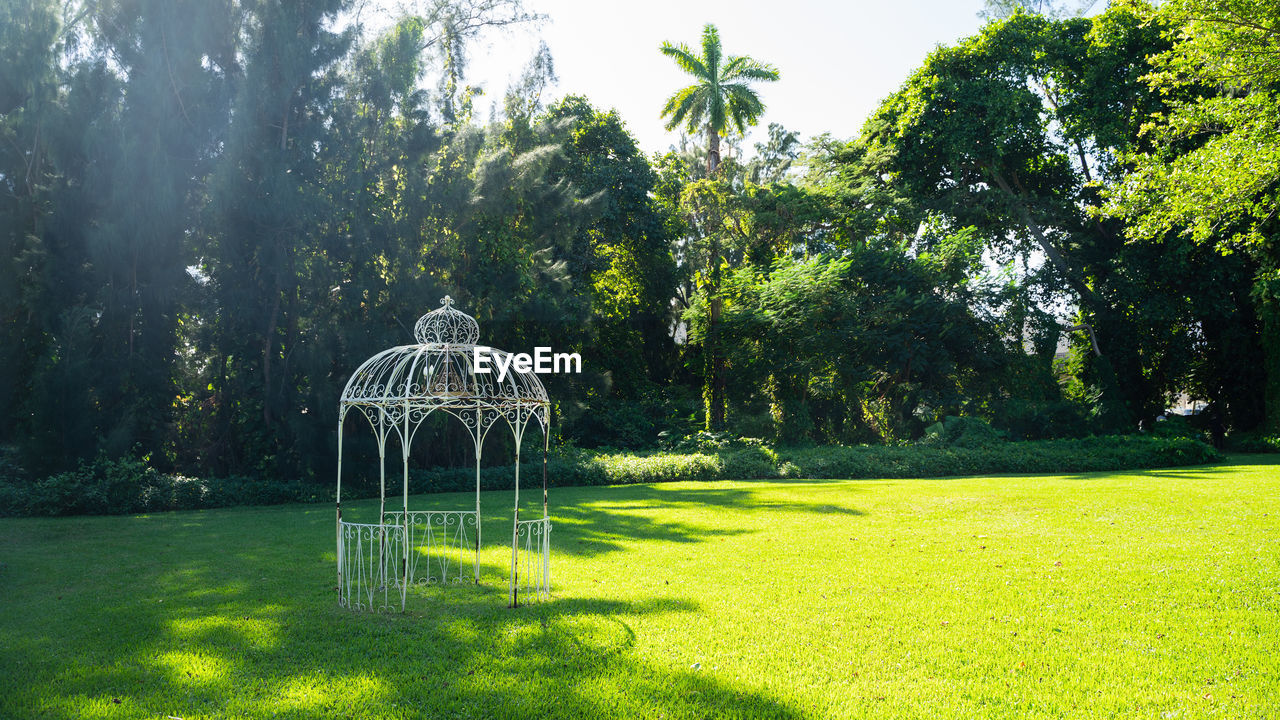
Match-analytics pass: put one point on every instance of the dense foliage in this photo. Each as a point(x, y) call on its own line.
point(195, 284)
point(1211, 172)
point(212, 211)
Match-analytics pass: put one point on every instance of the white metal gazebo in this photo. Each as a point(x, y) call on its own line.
point(396, 391)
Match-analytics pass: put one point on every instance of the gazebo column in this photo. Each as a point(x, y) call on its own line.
point(404, 517)
point(338, 500)
point(546, 535)
point(518, 429)
point(383, 570)
point(478, 436)
point(546, 444)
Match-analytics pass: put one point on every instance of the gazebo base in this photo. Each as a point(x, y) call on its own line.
point(377, 567)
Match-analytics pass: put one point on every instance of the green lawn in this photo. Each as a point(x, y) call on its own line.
point(1149, 594)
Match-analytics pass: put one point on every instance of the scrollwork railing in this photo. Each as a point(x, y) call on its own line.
point(533, 565)
point(441, 542)
point(367, 559)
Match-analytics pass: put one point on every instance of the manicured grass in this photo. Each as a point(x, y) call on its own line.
point(1150, 594)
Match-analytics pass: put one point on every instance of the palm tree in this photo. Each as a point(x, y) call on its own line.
point(721, 96)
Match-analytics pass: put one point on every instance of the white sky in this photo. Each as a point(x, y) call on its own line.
point(837, 60)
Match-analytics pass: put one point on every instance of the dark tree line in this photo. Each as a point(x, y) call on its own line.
point(212, 211)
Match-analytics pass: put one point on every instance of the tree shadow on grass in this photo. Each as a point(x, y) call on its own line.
point(632, 513)
point(741, 497)
point(1186, 471)
point(577, 528)
point(213, 615)
point(1233, 465)
point(1217, 470)
point(241, 653)
point(608, 517)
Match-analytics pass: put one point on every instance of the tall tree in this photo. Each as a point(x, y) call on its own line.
point(774, 159)
point(1211, 172)
point(627, 245)
point(29, 109)
point(874, 344)
point(721, 98)
point(172, 57)
point(266, 203)
point(127, 117)
point(1011, 131)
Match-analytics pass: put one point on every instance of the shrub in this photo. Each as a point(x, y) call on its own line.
point(1177, 426)
point(749, 463)
point(575, 468)
point(74, 492)
point(707, 441)
point(13, 484)
point(130, 485)
point(1253, 443)
point(964, 432)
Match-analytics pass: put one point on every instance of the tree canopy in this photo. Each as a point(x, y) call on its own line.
point(213, 211)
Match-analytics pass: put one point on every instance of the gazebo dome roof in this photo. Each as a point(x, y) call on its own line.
point(438, 373)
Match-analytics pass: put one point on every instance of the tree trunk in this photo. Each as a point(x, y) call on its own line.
point(789, 407)
point(268, 349)
point(1268, 297)
point(713, 152)
point(1113, 402)
point(715, 388)
point(714, 391)
point(717, 417)
point(1082, 289)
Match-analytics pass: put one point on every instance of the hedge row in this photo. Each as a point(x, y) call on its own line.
point(859, 462)
point(576, 469)
point(1092, 454)
point(129, 486)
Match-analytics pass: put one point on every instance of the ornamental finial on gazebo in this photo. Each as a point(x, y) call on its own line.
point(446, 326)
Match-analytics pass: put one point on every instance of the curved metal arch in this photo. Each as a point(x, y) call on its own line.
point(419, 418)
point(366, 411)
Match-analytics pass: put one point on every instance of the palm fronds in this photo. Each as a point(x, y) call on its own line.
point(721, 98)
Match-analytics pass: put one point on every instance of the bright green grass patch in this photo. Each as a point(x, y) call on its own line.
point(1151, 594)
